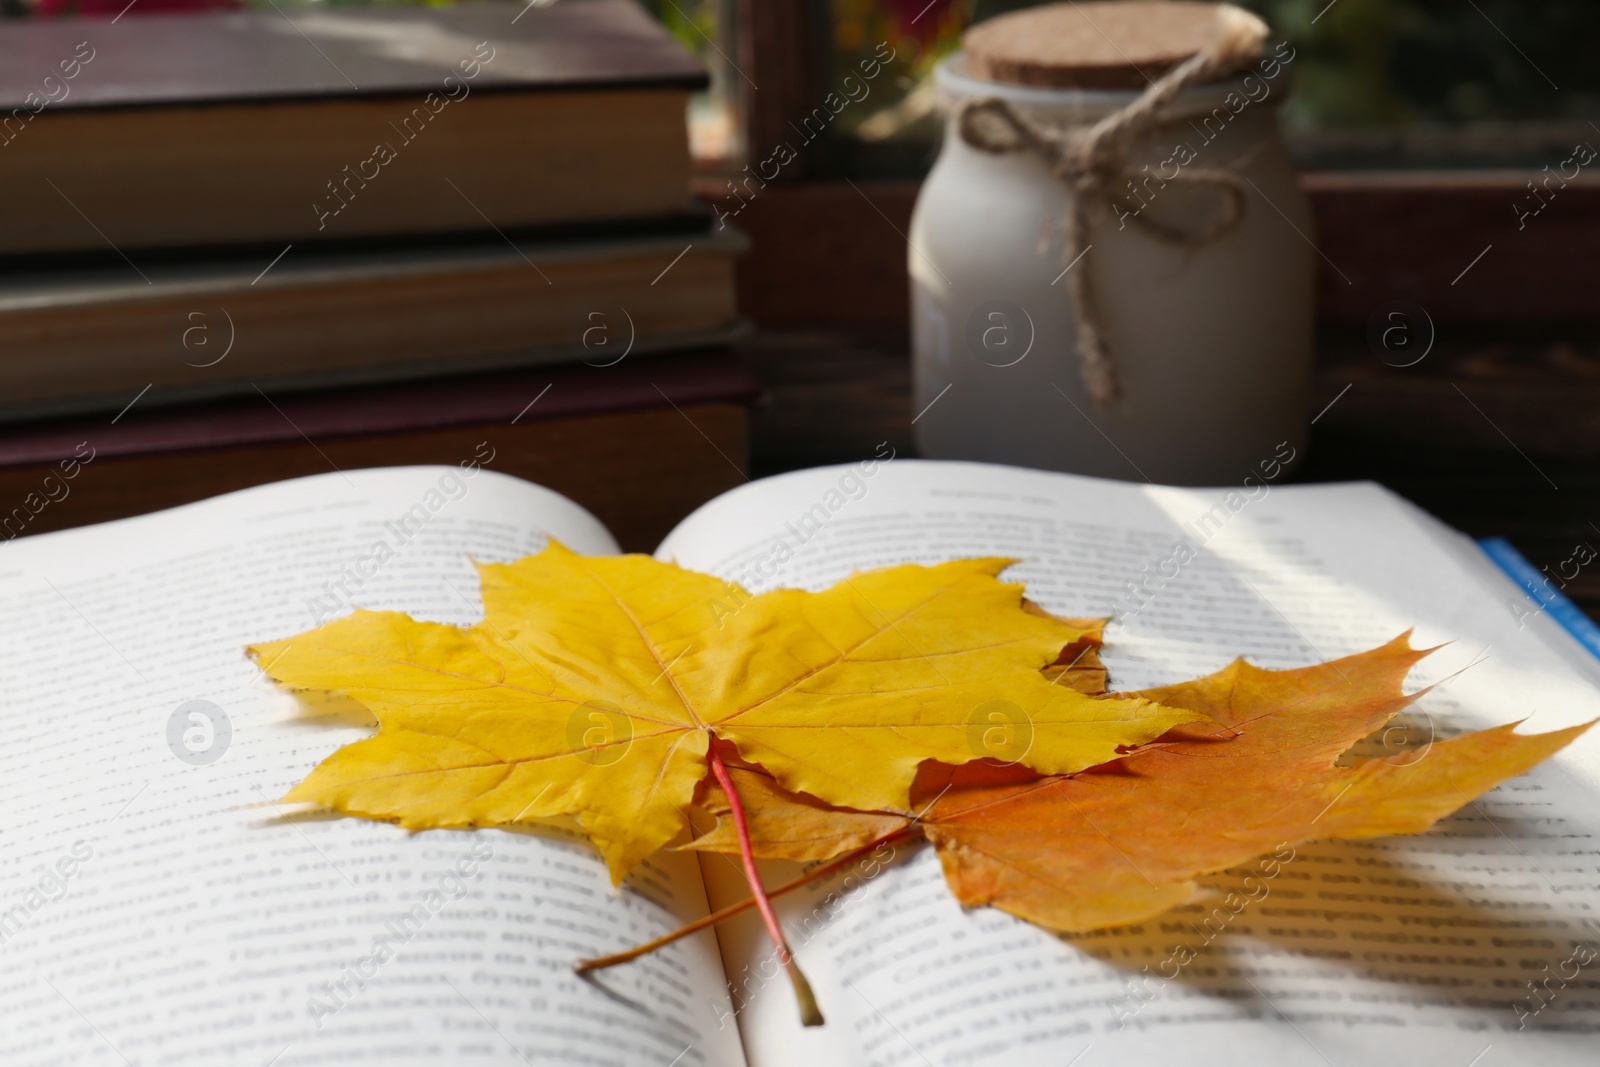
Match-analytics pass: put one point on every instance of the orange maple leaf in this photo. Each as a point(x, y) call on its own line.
point(1126, 840)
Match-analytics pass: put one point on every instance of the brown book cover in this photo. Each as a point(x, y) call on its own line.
point(337, 123)
point(81, 338)
point(641, 443)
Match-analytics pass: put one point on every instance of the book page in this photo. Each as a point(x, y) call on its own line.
point(157, 908)
point(1528, 611)
point(1473, 944)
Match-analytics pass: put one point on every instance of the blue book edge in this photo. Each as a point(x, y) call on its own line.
point(1545, 598)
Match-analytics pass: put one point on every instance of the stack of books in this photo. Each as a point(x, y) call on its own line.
point(302, 208)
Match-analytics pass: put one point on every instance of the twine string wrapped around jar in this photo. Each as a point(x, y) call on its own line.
point(1093, 160)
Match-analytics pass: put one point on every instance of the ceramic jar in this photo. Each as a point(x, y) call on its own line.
point(1211, 343)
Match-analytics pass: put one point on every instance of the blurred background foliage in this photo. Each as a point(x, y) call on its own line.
point(1367, 61)
point(1378, 83)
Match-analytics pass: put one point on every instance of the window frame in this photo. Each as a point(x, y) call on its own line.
point(1452, 242)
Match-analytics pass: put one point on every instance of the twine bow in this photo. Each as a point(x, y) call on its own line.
point(1092, 162)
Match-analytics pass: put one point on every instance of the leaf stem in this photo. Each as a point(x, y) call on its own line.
point(600, 963)
point(809, 1013)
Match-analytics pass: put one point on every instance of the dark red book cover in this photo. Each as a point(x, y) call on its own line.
point(263, 56)
point(146, 427)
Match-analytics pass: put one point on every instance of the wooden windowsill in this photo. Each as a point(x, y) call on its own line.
point(834, 253)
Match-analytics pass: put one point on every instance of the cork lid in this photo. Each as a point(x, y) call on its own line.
point(1100, 44)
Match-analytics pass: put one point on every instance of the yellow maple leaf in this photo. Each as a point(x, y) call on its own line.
point(594, 685)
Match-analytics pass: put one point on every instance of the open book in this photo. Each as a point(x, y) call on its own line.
point(156, 908)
